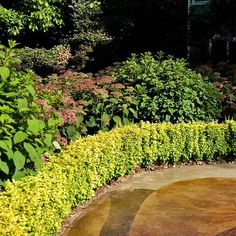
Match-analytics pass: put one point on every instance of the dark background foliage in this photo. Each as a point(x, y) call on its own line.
point(214, 19)
point(100, 33)
point(143, 25)
point(223, 17)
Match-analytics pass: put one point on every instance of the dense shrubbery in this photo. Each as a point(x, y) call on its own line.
point(168, 91)
point(45, 61)
point(223, 75)
point(144, 88)
point(87, 31)
point(49, 23)
point(89, 104)
point(85, 24)
point(25, 135)
point(33, 15)
point(30, 15)
point(37, 205)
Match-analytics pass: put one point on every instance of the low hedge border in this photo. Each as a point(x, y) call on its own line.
point(36, 205)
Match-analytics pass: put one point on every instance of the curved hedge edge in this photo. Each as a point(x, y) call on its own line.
point(36, 205)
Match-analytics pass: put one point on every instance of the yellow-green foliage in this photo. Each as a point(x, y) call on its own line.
point(36, 205)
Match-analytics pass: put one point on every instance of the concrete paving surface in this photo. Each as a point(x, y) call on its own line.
point(186, 201)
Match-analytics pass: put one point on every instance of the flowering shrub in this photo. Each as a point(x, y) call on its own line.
point(86, 104)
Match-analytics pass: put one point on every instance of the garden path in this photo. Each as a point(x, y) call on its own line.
point(191, 200)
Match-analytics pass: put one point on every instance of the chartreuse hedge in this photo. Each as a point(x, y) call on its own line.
point(37, 205)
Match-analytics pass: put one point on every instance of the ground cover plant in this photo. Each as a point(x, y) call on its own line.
point(36, 205)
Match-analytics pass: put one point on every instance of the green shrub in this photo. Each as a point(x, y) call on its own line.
point(30, 15)
point(47, 23)
point(168, 90)
point(223, 75)
point(37, 205)
point(44, 61)
point(83, 45)
point(34, 15)
point(87, 31)
point(24, 135)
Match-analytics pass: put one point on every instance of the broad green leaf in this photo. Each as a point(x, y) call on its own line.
point(171, 110)
point(126, 121)
point(19, 137)
point(4, 145)
point(22, 104)
point(2, 46)
point(34, 156)
point(134, 112)
point(117, 119)
point(38, 163)
point(10, 154)
point(9, 94)
point(12, 43)
point(4, 72)
point(36, 126)
point(51, 122)
point(80, 119)
point(31, 90)
point(71, 131)
point(19, 175)
point(105, 119)
point(19, 160)
point(55, 121)
point(32, 152)
point(9, 126)
point(38, 140)
point(8, 141)
point(4, 167)
point(92, 122)
point(6, 131)
point(125, 111)
point(48, 139)
point(4, 118)
point(167, 118)
point(39, 150)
